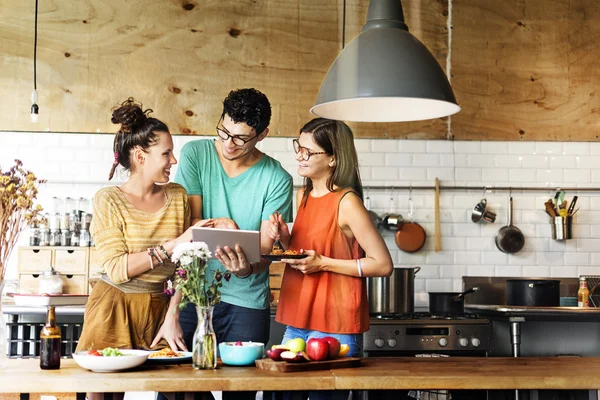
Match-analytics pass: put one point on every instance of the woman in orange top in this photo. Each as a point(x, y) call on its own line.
point(324, 294)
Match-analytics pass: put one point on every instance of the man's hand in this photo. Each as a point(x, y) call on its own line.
point(225, 223)
point(234, 261)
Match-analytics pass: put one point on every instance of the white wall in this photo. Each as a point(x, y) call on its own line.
point(77, 165)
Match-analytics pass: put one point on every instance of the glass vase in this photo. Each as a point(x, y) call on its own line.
point(204, 351)
point(3, 343)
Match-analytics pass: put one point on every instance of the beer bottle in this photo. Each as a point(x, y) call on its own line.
point(50, 342)
point(583, 293)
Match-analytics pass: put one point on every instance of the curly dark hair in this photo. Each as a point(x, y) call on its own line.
point(249, 106)
point(137, 130)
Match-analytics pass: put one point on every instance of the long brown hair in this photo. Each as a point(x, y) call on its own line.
point(137, 130)
point(336, 139)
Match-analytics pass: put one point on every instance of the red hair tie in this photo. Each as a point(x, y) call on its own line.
point(116, 156)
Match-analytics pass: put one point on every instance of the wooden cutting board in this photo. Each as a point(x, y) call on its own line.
point(284, 366)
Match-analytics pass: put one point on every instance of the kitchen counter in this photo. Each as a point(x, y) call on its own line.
point(569, 373)
point(571, 314)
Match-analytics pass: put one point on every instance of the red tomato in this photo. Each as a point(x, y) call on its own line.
point(94, 353)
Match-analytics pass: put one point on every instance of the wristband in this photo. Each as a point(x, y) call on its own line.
point(359, 267)
point(245, 276)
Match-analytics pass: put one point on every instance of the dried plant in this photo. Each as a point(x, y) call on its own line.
point(18, 190)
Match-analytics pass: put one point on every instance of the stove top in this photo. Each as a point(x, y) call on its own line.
point(420, 316)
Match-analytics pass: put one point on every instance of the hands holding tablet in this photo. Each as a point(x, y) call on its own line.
point(234, 261)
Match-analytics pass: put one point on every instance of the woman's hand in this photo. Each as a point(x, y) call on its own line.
point(278, 229)
point(172, 333)
point(308, 265)
point(234, 261)
point(187, 235)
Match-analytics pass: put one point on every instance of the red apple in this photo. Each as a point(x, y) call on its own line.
point(334, 347)
point(317, 349)
point(294, 357)
point(275, 354)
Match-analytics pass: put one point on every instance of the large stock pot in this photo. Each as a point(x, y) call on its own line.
point(394, 294)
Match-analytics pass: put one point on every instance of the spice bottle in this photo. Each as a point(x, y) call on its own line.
point(583, 293)
point(50, 338)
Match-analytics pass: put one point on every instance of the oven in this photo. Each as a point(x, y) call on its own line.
point(426, 335)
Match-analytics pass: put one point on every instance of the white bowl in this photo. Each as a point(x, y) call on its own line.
point(133, 359)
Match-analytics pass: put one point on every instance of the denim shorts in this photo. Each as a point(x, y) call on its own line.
point(353, 340)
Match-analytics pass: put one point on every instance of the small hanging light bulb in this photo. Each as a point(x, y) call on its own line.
point(34, 107)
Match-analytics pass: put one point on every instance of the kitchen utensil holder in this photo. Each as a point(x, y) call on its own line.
point(562, 227)
point(593, 284)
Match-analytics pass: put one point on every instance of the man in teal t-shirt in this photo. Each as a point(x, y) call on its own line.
point(229, 178)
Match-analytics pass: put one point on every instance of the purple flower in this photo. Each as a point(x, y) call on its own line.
point(182, 273)
point(227, 276)
point(218, 276)
point(169, 292)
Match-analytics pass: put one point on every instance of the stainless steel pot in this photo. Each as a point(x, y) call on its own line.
point(394, 294)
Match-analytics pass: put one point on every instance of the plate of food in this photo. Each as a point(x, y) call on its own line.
point(168, 356)
point(110, 359)
point(278, 255)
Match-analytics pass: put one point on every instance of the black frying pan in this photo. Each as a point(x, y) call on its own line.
point(510, 239)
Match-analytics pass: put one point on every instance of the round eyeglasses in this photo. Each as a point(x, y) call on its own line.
point(304, 152)
point(224, 135)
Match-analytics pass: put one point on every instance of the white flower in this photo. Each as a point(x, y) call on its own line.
point(186, 260)
point(184, 252)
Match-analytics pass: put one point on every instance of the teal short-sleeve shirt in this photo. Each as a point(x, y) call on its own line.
point(248, 199)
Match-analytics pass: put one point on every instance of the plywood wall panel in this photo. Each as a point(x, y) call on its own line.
point(521, 70)
point(526, 70)
point(181, 58)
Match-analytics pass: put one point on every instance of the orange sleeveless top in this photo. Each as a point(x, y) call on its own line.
point(323, 301)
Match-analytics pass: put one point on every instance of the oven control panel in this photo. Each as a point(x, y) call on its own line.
point(449, 337)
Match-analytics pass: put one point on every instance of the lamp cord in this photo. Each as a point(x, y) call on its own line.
point(35, 47)
point(343, 26)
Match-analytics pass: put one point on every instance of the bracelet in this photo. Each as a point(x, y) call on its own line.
point(156, 255)
point(152, 253)
point(359, 267)
point(151, 262)
point(245, 276)
point(163, 251)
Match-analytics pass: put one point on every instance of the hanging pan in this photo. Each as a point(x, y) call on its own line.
point(411, 236)
point(510, 239)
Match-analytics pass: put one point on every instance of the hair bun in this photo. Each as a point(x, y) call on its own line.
point(129, 114)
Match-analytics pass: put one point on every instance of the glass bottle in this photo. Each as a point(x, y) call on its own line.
point(50, 338)
point(583, 293)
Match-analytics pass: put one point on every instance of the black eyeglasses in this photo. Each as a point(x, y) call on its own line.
point(304, 152)
point(224, 135)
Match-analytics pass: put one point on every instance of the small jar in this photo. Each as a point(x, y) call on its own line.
point(65, 238)
point(34, 236)
point(54, 238)
point(50, 282)
point(84, 238)
point(44, 237)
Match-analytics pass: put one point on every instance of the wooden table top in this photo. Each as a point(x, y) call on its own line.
point(25, 376)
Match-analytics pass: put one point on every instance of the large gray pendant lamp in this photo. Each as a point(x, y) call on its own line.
point(385, 74)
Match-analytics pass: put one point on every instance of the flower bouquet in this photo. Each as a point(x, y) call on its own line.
point(18, 190)
point(201, 288)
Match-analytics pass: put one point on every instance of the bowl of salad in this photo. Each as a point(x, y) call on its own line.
point(110, 359)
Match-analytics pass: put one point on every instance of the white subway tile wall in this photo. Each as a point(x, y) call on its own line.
point(77, 165)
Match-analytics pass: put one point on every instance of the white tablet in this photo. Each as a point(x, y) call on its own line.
point(249, 241)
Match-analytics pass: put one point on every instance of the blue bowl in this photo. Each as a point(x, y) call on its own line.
point(246, 354)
